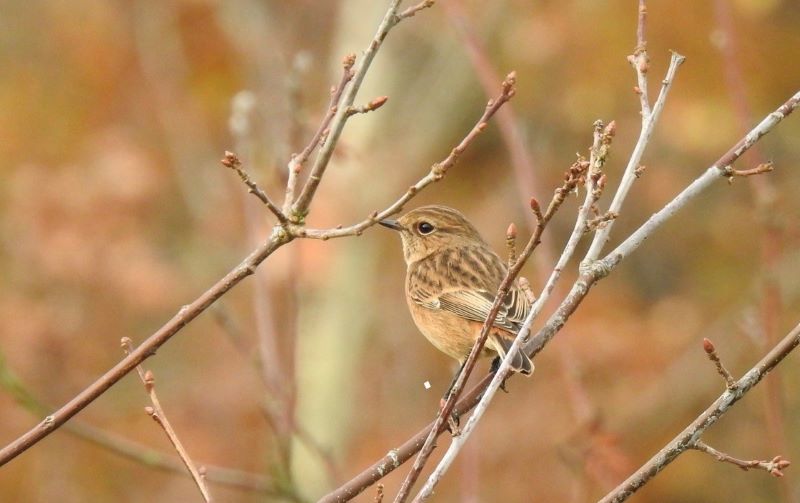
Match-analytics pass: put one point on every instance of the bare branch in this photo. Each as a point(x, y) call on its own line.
point(148, 348)
point(764, 167)
point(232, 161)
point(411, 11)
point(157, 413)
point(774, 467)
point(134, 451)
point(711, 352)
point(298, 161)
point(299, 207)
point(633, 170)
point(436, 173)
point(602, 138)
point(689, 436)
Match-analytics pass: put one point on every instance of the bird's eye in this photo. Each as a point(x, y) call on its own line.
point(425, 228)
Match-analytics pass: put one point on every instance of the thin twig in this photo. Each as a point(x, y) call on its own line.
point(411, 11)
point(157, 413)
point(764, 167)
point(369, 107)
point(436, 173)
point(299, 209)
point(689, 436)
point(633, 170)
point(640, 60)
point(711, 352)
point(774, 467)
point(297, 162)
point(232, 161)
point(134, 451)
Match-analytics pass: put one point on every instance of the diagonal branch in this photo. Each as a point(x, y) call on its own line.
point(158, 415)
point(146, 349)
point(689, 437)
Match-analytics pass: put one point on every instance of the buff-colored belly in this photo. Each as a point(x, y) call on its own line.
point(448, 332)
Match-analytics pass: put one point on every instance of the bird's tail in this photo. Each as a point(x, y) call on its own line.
point(521, 363)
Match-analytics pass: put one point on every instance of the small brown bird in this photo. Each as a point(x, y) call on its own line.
point(452, 279)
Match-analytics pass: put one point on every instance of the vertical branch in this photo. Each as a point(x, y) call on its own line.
point(390, 19)
point(640, 62)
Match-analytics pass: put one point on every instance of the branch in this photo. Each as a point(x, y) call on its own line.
point(232, 161)
point(633, 170)
point(436, 173)
point(148, 348)
point(469, 364)
point(689, 437)
point(297, 161)
point(590, 273)
point(300, 206)
point(158, 415)
point(136, 452)
point(774, 467)
point(711, 352)
point(411, 11)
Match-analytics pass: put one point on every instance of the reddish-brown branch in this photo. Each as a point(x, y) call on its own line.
point(711, 352)
point(774, 467)
point(436, 173)
point(689, 436)
point(232, 161)
point(298, 161)
point(145, 350)
point(157, 413)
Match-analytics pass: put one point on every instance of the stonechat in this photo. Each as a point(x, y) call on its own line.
point(452, 278)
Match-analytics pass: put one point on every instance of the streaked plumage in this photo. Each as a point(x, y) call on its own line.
point(451, 282)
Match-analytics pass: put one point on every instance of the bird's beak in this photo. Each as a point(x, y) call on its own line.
point(392, 224)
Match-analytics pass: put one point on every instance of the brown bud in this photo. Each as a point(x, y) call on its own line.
point(611, 128)
point(708, 346)
point(377, 102)
point(535, 205)
point(511, 232)
point(149, 411)
point(349, 60)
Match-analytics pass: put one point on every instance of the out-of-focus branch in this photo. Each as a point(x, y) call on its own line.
point(689, 437)
point(771, 231)
point(160, 417)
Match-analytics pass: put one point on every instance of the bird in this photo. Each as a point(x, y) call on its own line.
point(452, 279)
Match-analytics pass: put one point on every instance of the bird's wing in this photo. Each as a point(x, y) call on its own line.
point(476, 304)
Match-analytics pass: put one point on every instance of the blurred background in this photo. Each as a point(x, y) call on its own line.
point(114, 212)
